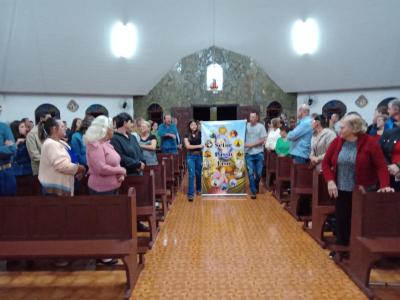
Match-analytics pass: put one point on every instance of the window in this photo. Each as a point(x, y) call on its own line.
point(334, 107)
point(46, 108)
point(215, 78)
point(383, 105)
point(155, 113)
point(96, 110)
point(274, 110)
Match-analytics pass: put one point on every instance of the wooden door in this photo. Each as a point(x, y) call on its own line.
point(184, 115)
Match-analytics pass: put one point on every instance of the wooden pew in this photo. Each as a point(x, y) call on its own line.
point(270, 168)
point(182, 165)
point(283, 165)
point(177, 172)
point(160, 178)
point(170, 174)
point(145, 207)
point(301, 185)
point(28, 185)
point(322, 206)
point(33, 227)
point(375, 234)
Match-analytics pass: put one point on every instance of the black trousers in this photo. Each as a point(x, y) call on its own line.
point(343, 217)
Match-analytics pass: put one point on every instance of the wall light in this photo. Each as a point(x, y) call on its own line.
point(123, 40)
point(305, 36)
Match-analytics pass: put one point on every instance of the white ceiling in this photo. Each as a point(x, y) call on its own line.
point(55, 46)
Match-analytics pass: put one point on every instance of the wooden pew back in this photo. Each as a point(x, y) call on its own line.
point(160, 175)
point(271, 161)
point(283, 165)
point(28, 185)
point(145, 188)
point(169, 164)
point(376, 215)
point(320, 191)
point(35, 218)
point(301, 179)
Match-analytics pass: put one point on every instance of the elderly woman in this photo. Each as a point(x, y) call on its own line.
point(320, 140)
point(148, 143)
point(106, 173)
point(353, 160)
point(58, 164)
point(274, 133)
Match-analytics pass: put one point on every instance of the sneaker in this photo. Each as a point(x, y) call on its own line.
point(332, 254)
point(107, 261)
point(253, 196)
point(142, 227)
point(198, 193)
point(61, 264)
point(190, 198)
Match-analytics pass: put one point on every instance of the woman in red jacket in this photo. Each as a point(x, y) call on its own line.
point(352, 160)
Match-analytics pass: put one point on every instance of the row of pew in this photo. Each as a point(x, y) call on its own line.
point(375, 228)
point(34, 227)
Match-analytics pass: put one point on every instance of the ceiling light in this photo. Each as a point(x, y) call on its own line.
point(123, 40)
point(305, 36)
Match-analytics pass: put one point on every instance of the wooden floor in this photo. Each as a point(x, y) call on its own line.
point(208, 249)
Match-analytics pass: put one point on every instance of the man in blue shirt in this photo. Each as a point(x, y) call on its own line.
point(168, 134)
point(301, 135)
point(394, 114)
point(7, 150)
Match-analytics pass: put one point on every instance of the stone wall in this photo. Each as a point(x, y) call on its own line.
point(245, 83)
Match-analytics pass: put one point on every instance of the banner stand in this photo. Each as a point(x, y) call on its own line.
point(223, 170)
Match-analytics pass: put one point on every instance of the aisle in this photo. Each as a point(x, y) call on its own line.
point(238, 249)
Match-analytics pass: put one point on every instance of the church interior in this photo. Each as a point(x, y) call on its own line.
point(152, 76)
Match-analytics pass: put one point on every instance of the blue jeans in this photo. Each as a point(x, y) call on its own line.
point(8, 184)
point(194, 165)
point(254, 163)
point(300, 160)
point(169, 150)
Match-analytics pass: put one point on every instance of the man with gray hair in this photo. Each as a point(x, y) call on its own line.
point(254, 152)
point(301, 135)
point(394, 114)
point(168, 134)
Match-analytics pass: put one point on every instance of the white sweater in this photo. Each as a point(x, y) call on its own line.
point(56, 171)
point(272, 138)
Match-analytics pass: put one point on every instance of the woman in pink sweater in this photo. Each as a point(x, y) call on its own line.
point(106, 173)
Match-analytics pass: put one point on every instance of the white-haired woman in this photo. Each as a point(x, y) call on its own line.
point(106, 173)
point(352, 160)
point(148, 143)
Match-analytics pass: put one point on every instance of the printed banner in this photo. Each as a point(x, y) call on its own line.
point(223, 157)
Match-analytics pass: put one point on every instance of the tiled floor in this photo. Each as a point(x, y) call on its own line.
point(209, 249)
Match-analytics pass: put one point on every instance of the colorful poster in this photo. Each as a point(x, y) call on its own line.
point(223, 157)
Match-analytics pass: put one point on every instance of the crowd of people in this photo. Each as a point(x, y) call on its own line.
point(349, 153)
point(106, 149)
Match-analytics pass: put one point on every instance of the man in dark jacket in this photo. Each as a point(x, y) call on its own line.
point(127, 146)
